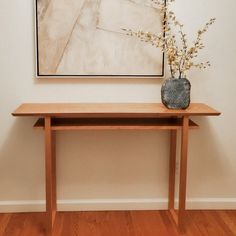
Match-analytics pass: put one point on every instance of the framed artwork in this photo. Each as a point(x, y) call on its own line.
point(84, 38)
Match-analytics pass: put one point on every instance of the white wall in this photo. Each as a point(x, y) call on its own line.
point(116, 169)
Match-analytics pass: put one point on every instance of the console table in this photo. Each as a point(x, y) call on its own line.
point(53, 117)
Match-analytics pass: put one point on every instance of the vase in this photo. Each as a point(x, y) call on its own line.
point(175, 93)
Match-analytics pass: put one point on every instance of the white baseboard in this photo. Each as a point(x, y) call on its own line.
point(117, 204)
point(22, 206)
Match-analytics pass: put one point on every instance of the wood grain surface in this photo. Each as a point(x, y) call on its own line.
point(110, 110)
point(115, 124)
point(123, 223)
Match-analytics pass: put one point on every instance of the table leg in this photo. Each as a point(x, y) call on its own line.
point(50, 166)
point(172, 169)
point(183, 173)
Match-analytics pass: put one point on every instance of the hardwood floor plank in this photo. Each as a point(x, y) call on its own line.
point(222, 222)
point(191, 227)
point(229, 220)
point(116, 222)
point(202, 223)
point(15, 226)
point(148, 223)
point(59, 223)
point(120, 223)
point(214, 226)
point(34, 225)
point(169, 223)
point(4, 219)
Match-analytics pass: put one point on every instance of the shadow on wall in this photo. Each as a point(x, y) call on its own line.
point(208, 164)
point(21, 162)
point(98, 80)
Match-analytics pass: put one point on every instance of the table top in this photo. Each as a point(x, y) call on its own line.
point(110, 110)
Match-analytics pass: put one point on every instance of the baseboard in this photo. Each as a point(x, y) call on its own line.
point(116, 204)
point(22, 206)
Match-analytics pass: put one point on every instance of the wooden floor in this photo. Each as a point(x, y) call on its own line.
point(129, 223)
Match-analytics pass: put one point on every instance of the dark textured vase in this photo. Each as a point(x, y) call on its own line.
point(175, 93)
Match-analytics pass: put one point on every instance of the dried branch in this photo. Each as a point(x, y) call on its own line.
point(180, 56)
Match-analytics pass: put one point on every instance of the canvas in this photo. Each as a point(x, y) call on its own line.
point(79, 38)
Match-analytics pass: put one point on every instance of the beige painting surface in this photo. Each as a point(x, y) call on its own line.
point(85, 37)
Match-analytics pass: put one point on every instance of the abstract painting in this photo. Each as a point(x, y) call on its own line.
point(84, 38)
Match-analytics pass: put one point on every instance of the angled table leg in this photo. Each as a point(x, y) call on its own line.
point(50, 166)
point(183, 173)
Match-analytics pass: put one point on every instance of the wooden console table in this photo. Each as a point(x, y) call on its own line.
point(115, 116)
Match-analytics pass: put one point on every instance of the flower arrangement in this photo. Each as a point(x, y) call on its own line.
point(173, 41)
